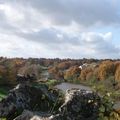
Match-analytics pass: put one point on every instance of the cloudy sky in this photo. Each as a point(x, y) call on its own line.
point(60, 28)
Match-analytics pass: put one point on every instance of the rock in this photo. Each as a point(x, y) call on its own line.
point(116, 107)
point(80, 105)
point(26, 97)
point(28, 115)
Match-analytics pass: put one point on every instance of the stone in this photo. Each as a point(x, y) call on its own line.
point(28, 115)
point(80, 105)
point(26, 97)
point(116, 107)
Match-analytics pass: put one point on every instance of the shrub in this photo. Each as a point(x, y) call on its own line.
point(117, 74)
point(106, 69)
point(83, 76)
point(72, 73)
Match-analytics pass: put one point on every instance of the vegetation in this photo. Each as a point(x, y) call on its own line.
point(51, 83)
point(72, 73)
point(106, 111)
point(102, 75)
point(3, 92)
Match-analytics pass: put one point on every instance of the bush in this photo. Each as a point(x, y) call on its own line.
point(86, 73)
point(72, 73)
point(106, 69)
point(106, 111)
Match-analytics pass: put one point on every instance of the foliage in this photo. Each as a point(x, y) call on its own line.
point(51, 83)
point(55, 73)
point(117, 73)
point(31, 69)
point(3, 92)
point(59, 101)
point(3, 73)
point(63, 65)
point(59, 69)
point(106, 111)
point(72, 73)
point(84, 73)
point(106, 69)
point(3, 118)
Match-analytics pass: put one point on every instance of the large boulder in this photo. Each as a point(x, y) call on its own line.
point(78, 105)
point(26, 97)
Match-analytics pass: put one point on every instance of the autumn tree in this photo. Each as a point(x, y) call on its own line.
point(31, 69)
point(3, 72)
point(55, 73)
point(89, 76)
point(117, 74)
point(63, 65)
point(106, 69)
point(72, 73)
point(85, 72)
point(11, 68)
point(116, 64)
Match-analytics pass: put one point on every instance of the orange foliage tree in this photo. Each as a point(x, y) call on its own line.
point(31, 69)
point(72, 73)
point(106, 69)
point(85, 73)
point(63, 65)
point(55, 73)
point(117, 73)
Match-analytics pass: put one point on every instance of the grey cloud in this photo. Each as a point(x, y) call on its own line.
point(74, 46)
point(53, 41)
point(100, 45)
point(83, 12)
point(4, 25)
point(50, 37)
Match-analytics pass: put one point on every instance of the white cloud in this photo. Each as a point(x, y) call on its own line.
point(58, 28)
point(86, 13)
point(12, 14)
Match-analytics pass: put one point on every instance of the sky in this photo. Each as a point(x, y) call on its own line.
point(60, 28)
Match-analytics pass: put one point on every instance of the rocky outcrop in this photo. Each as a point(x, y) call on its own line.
point(26, 97)
point(78, 105)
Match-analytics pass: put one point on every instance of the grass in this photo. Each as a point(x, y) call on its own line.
point(3, 92)
point(3, 118)
point(51, 83)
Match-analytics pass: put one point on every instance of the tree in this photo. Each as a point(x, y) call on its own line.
point(72, 73)
point(31, 69)
point(63, 65)
point(55, 73)
point(2, 75)
point(117, 74)
point(106, 69)
point(89, 76)
point(85, 72)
